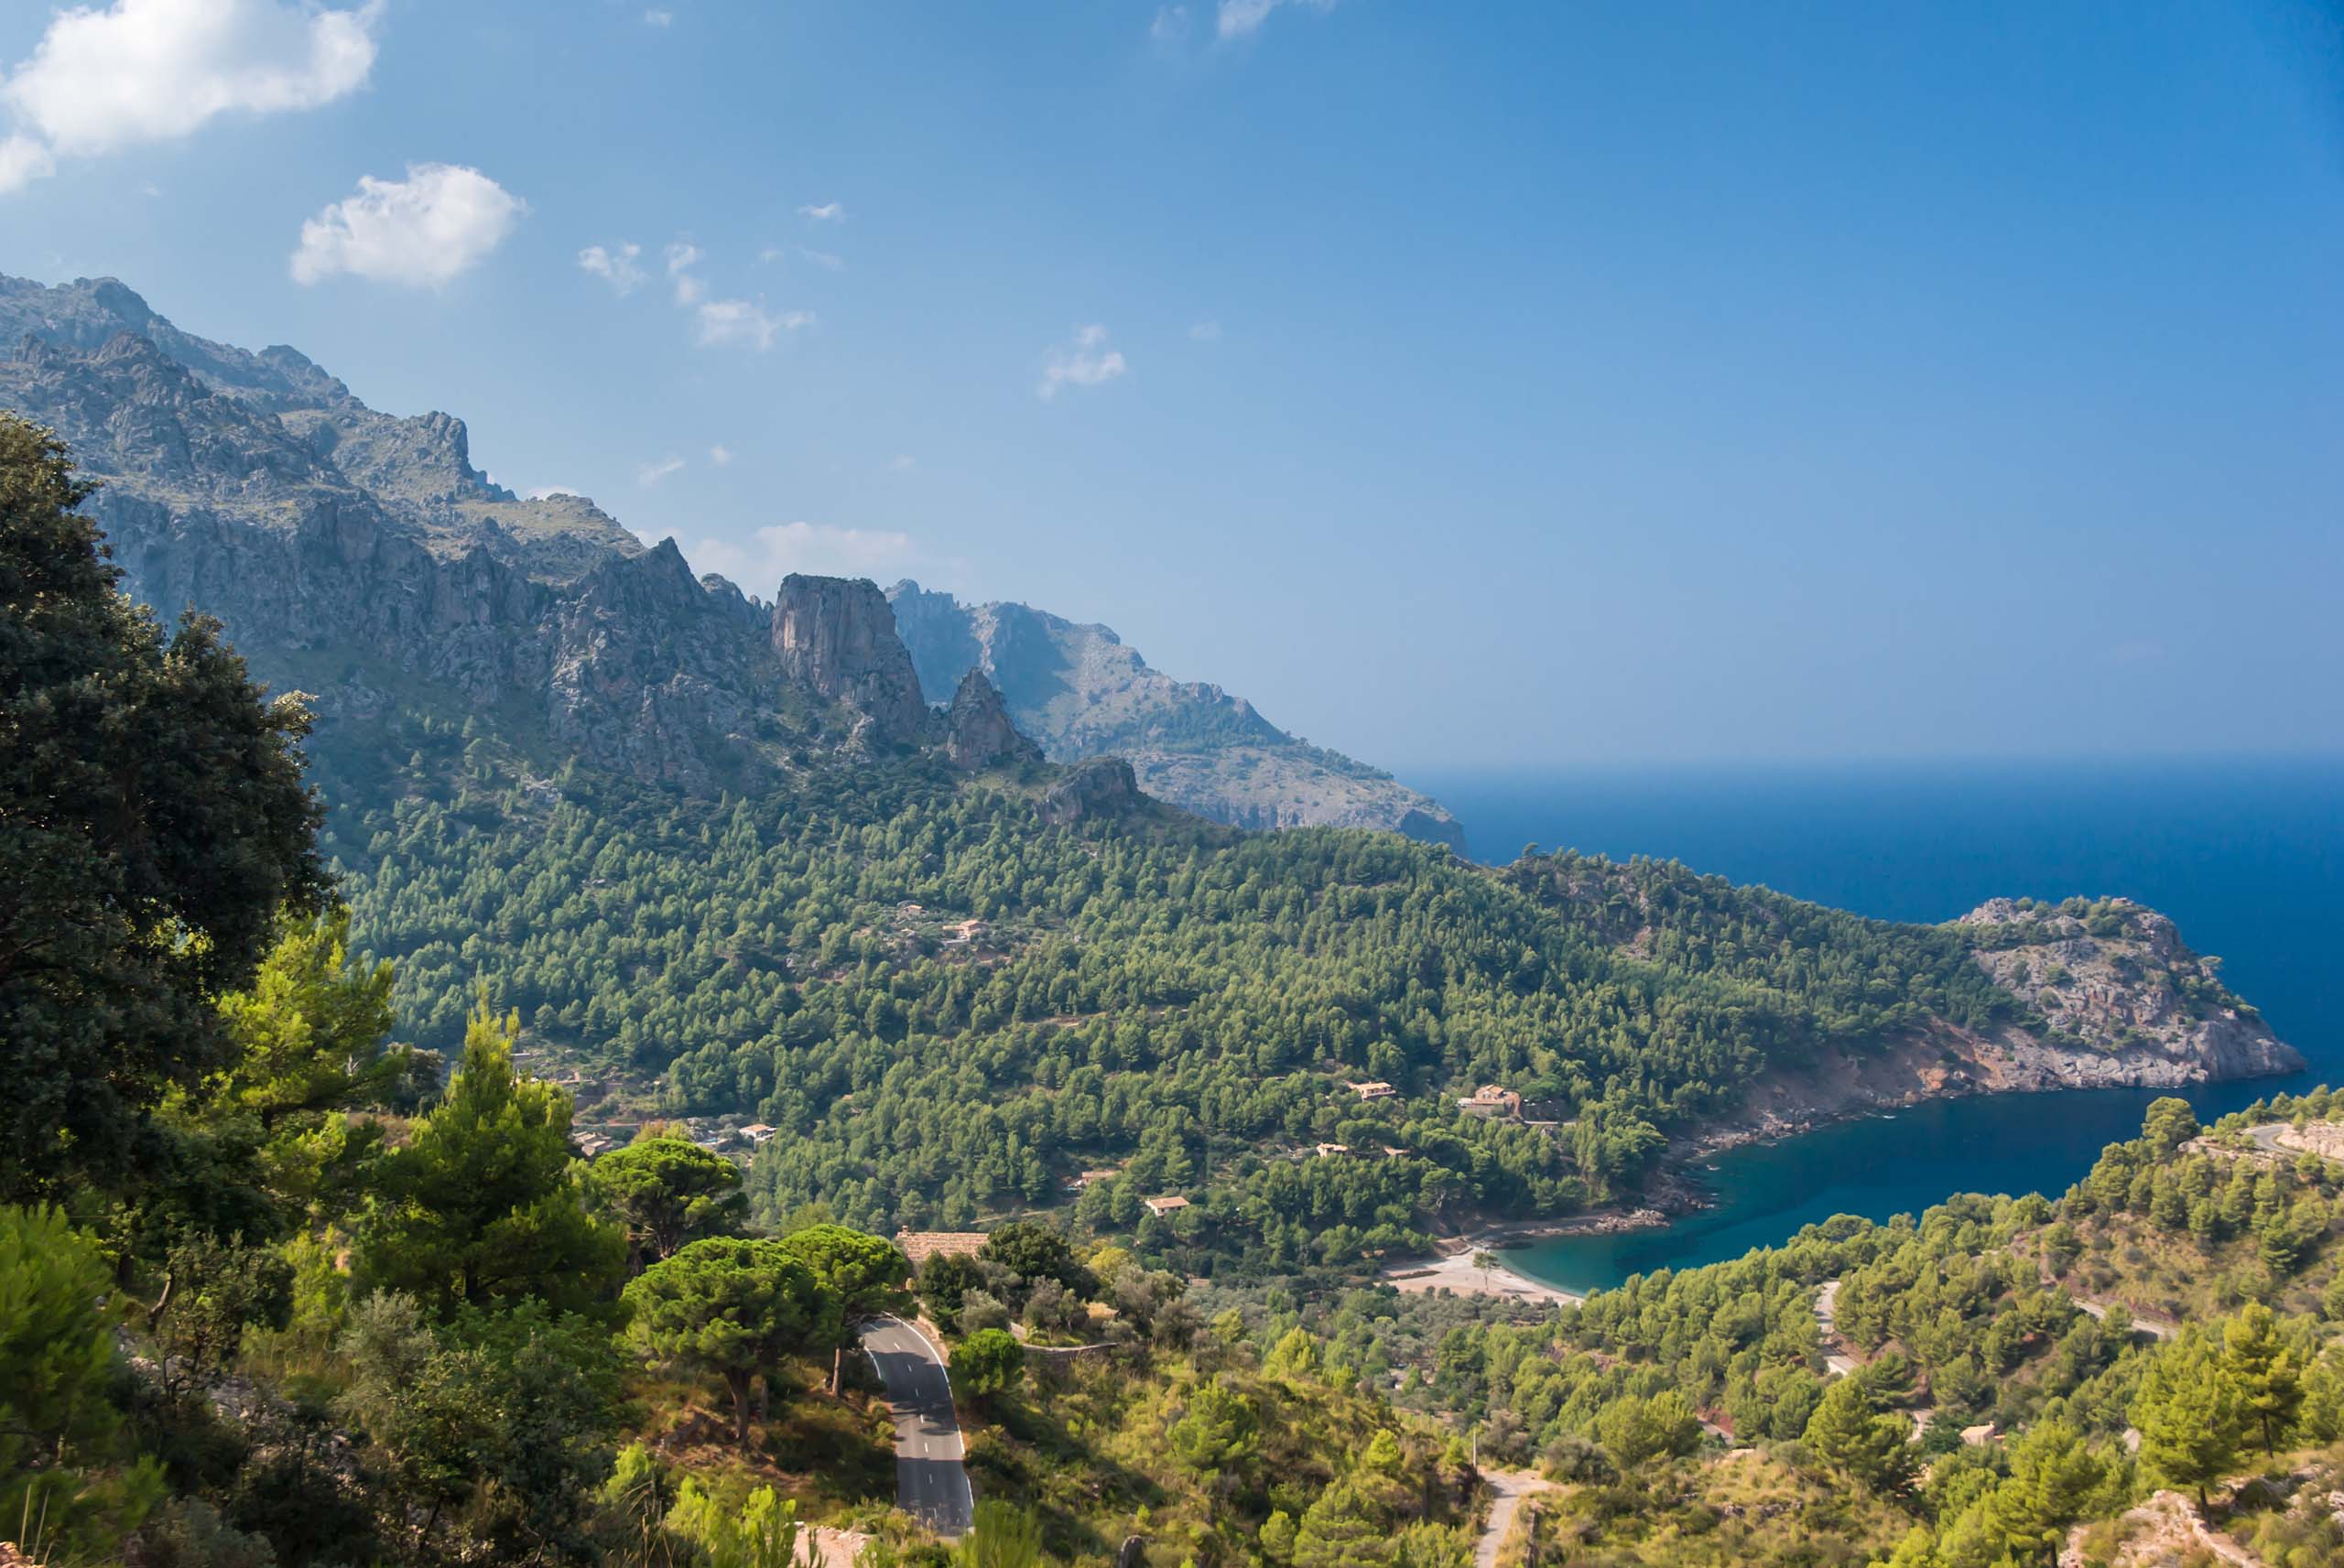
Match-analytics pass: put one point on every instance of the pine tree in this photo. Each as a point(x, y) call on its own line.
point(2189, 1417)
point(2265, 1372)
point(1856, 1441)
point(484, 1205)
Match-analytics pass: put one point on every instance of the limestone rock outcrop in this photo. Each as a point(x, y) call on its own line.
point(1100, 788)
point(2124, 1000)
point(979, 733)
point(837, 636)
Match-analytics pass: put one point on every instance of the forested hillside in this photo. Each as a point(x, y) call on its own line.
point(1152, 993)
point(1993, 1377)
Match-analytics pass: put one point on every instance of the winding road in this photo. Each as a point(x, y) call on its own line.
point(931, 1482)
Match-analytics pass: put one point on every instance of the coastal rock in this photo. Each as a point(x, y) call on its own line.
point(1102, 787)
point(837, 636)
point(977, 731)
point(2122, 999)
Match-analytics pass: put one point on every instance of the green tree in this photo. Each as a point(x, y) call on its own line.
point(2170, 1124)
point(759, 1532)
point(1005, 1536)
point(867, 1275)
point(731, 1307)
point(58, 1427)
point(2189, 1416)
point(310, 1032)
point(1340, 1529)
point(484, 1205)
point(502, 1417)
point(945, 1280)
point(1031, 1251)
point(213, 1292)
point(2265, 1371)
point(153, 822)
point(987, 1363)
point(2054, 1481)
point(1638, 1431)
point(1860, 1443)
point(668, 1191)
point(1217, 1429)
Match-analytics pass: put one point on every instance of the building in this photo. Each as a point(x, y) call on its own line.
point(758, 1132)
point(1379, 1089)
point(1162, 1206)
point(919, 1246)
point(1493, 1099)
point(1327, 1150)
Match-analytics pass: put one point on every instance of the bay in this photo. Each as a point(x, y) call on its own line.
point(2247, 856)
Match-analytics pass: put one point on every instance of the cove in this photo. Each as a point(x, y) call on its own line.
point(1875, 1167)
point(2247, 856)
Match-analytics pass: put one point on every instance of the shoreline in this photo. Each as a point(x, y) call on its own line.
point(1455, 1272)
point(1677, 1191)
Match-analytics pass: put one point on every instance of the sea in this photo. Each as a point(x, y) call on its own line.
point(2246, 856)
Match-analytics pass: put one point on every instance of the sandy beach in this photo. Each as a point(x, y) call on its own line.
point(1456, 1271)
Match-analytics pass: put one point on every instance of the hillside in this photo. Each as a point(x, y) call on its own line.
point(1080, 691)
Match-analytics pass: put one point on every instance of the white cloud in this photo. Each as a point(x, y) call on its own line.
point(1205, 332)
point(720, 454)
point(823, 549)
point(828, 212)
point(903, 462)
point(682, 258)
point(649, 475)
point(655, 18)
point(544, 491)
point(423, 231)
point(1171, 25)
point(23, 160)
point(1238, 18)
point(1088, 362)
point(728, 321)
point(617, 265)
point(824, 259)
point(150, 70)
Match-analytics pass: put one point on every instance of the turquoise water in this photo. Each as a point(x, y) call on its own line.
point(2249, 858)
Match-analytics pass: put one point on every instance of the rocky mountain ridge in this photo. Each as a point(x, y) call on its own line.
point(348, 549)
point(1080, 691)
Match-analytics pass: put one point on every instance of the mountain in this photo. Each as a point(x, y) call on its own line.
point(363, 557)
point(1082, 692)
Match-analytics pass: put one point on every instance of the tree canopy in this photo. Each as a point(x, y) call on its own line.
point(153, 826)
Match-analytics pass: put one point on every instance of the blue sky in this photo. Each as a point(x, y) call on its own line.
point(1506, 384)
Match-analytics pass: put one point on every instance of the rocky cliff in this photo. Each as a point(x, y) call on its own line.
point(1080, 691)
point(837, 638)
point(350, 550)
point(363, 558)
point(2122, 998)
point(979, 732)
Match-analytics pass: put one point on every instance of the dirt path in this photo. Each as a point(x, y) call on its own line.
point(1827, 1321)
point(1511, 1486)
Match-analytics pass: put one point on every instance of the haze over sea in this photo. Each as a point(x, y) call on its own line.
point(2248, 857)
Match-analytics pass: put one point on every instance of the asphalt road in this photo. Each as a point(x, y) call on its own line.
point(931, 1483)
